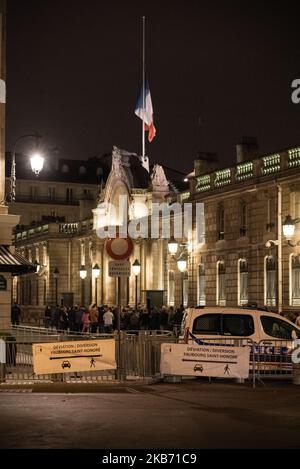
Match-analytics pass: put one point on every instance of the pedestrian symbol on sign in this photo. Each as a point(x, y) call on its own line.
point(92, 363)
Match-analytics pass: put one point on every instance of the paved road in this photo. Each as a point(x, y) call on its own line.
point(191, 415)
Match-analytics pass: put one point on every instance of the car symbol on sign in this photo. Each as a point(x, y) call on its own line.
point(198, 367)
point(66, 364)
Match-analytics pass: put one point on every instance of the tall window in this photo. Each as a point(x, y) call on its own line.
point(22, 285)
point(44, 291)
point(221, 222)
point(185, 289)
point(33, 192)
point(69, 194)
point(171, 288)
point(221, 289)
point(270, 281)
point(295, 204)
point(37, 292)
point(29, 292)
point(242, 282)
point(51, 193)
point(201, 285)
point(243, 219)
point(295, 280)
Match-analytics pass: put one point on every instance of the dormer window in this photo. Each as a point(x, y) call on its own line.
point(82, 170)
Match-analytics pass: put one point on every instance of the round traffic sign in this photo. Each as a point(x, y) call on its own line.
point(119, 248)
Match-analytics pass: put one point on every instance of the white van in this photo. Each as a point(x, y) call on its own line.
point(237, 323)
point(269, 336)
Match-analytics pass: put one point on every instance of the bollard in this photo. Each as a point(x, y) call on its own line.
point(296, 373)
point(2, 361)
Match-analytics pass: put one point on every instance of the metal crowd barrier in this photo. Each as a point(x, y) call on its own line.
point(137, 354)
point(273, 359)
point(229, 342)
point(140, 353)
point(269, 359)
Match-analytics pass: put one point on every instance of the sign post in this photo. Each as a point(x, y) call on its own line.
point(119, 328)
point(119, 269)
point(119, 249)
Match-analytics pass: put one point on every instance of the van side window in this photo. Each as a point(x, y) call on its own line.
point(238, 324)
point(207, 324)
point(278, 328)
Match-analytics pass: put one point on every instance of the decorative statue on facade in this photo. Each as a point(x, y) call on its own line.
point(158, 179)
point(117, 167)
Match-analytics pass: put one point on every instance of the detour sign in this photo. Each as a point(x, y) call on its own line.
point(64, 357)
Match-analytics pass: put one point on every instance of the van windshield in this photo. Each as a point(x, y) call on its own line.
point(278, 328)
point(241, 325)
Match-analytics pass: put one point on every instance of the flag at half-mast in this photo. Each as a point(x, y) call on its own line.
point(146, 113)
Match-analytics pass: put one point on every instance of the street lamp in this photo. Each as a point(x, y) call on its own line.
point(56, 277)
point(172, 246)
point(83, 274)
point(181, 260)
point(36, 162)
point(136, 267)
point(288, 228)
point(182, 265)
point(96, 274)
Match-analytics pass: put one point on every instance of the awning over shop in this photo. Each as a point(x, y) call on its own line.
point(14, 263)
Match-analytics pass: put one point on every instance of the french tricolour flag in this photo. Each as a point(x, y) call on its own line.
point(146, 114)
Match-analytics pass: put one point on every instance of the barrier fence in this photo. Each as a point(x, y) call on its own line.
point(268, 358)
point(138, 355)
point(273, 359)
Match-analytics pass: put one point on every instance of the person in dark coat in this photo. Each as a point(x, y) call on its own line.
point(47, 316)
point(15, 314)
point(78, 319)
point(164, 318)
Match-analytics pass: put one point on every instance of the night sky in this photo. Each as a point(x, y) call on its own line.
point(218, 70)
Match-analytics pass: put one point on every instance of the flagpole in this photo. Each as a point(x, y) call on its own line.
point(143, 122)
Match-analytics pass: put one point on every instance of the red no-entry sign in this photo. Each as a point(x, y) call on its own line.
point(119, 248)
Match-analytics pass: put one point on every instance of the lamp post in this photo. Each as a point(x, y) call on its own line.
point(288, 228)
point(182, 264)
point(181, 260)
point(96, 274)
point(56, 277)
point(136, 267)
point(172, 246)
point(36, 162)
point(83, 274)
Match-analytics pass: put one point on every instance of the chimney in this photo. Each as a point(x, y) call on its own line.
point(205, 163)
point(246, 149)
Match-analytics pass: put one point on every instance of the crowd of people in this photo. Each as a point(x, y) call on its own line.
point(104, 319)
